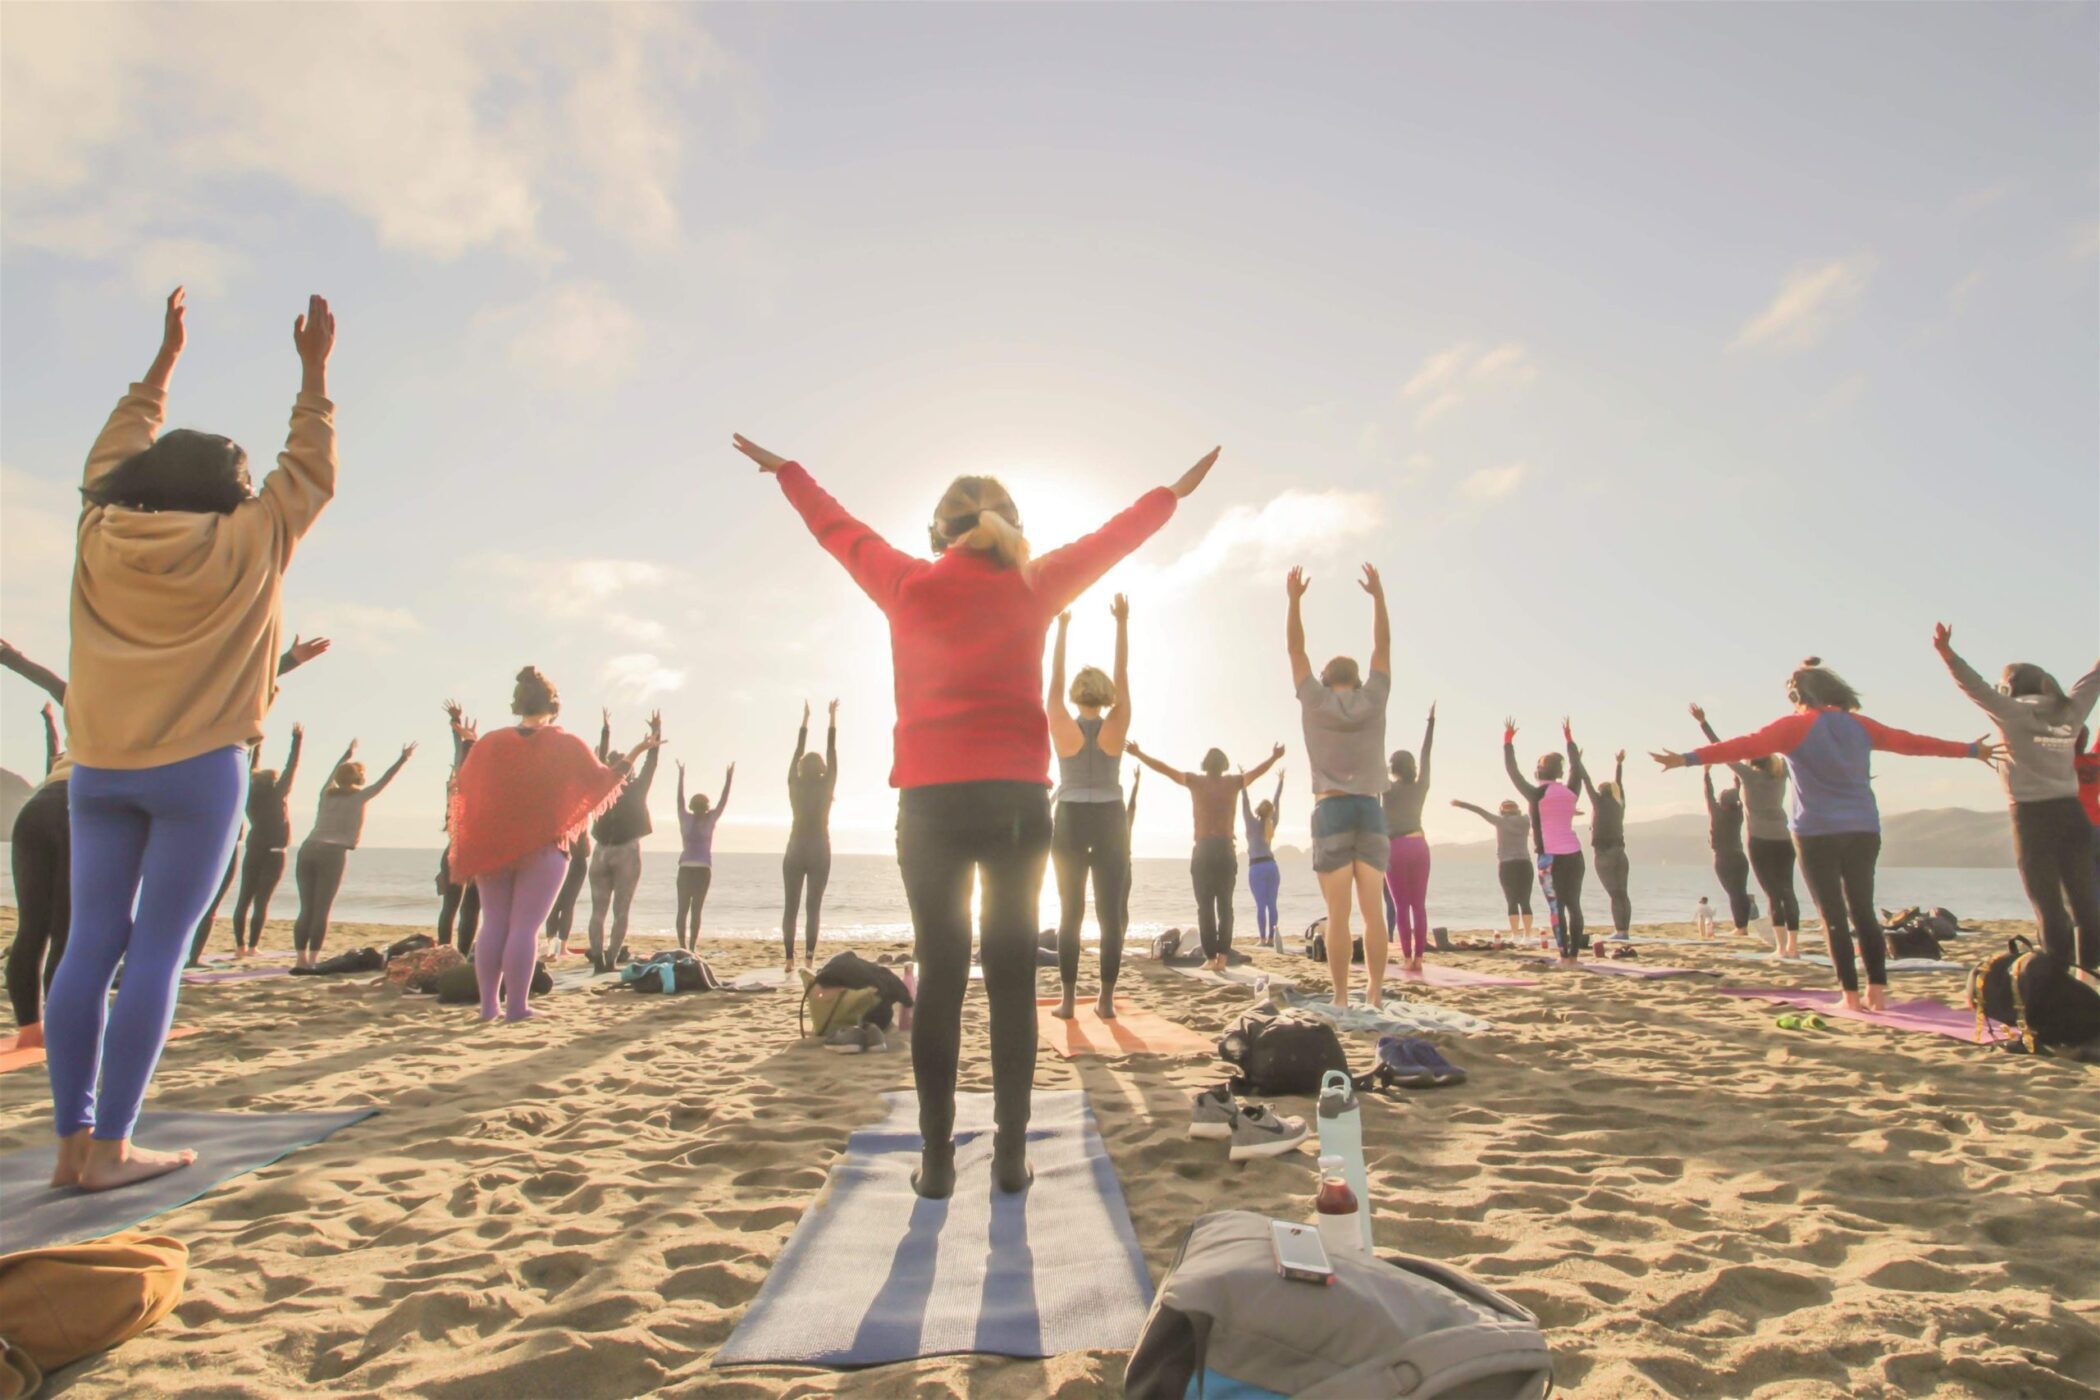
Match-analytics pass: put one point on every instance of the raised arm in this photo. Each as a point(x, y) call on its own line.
point(831, 750)
point(52, 748)
point(1064, 730)
point(1294, 584)
point(1381, 624)
point(1116, 727)
point(1137, 775)
point(2085, 692)
point(1428, 742)
point(605, 736)
point(1987, 696)
point(1741, 770)
point(1618, 774)
point(877, 566)
point(47, 681)
point(1890, 739)
point(1276, 802)
point(728, 780)
point(682, 813)
point(407, 751)
point(654, 745)
point(1481, 812)
point(304, 481)
point(291, 760)
point(136, 420)
point(1065, 573)
point(1254, 774)
point(300, 652)
point(1174, 775)
point(1509, 763)
point(801, 745)
point(1712, 805)
point(1782, 735)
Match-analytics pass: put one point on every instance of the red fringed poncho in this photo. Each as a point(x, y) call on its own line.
point(522, 790)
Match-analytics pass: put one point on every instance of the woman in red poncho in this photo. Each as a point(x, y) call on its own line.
point(522, 795)
point(972, 765)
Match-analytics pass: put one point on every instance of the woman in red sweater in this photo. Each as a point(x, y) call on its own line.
point(972, 747)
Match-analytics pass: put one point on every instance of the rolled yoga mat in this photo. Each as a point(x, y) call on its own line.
point(227, 1145)
point(874, 1274)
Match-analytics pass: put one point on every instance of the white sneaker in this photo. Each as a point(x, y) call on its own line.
point(1213, 1113)
point(1262, 1132)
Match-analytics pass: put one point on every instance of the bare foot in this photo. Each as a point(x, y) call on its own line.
point(1852, 1002)
point(30, 1037)
point(72, 1156)
point(1105, 1005)
point(113, 1164)
point(528, 1014)
point(1065, 1009)
point(487, 1015)
point(1877, 999)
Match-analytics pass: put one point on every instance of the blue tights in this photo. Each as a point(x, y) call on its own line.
point(1263, 880)
point(149, 845)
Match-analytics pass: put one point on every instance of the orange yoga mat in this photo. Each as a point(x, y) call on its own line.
point(23, 1059)
point(1133, 1032)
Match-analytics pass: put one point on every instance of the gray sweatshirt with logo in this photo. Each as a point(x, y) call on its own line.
point(2040, 731)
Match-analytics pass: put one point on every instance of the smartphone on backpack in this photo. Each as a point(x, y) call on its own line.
point(1300, 1253)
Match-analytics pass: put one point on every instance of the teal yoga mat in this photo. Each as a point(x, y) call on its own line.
point(874, 1274)
point(227, 1145)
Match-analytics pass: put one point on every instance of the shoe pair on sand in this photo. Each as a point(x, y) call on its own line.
point(1416, 1064)
point(1253, 1131)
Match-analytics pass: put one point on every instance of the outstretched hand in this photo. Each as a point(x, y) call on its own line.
point(805, 714)
point(306, 650)
point(408, 750)
point(1509, 728)
point(656, 723)
point(1621, 757)
point(1670, 760)
point(1276, 753)
point(1371, 583)
point(767, 461)
point(1119, 608)
point(1991, 753)
point(173, 336)
point(832, 711)
point(1295, 583)
point(314, 336)
point(1193, 477)
point(1942, 637)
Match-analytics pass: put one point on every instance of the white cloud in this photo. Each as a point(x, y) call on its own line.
point(39, 518)
point(640, 677)
point(1286, 530)
point(368, 628)
point(588, 591)
point(445, 127)
point(1491, 484)
point(159, 264)
point(1813, 299)
point(568, 336)
point(1465, 371)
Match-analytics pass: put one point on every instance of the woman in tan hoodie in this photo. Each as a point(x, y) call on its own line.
point(177, 591)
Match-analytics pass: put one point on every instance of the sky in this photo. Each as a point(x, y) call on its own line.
point(1646, 349)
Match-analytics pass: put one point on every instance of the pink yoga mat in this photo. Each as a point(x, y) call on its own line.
point(1924, 1015)
point(1437, 975)
point(1634, 969)
point(244, 974)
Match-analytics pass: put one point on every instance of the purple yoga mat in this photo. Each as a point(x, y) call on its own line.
point(1924, 1015)
point(1437, 975)
point(1634, 969)
point(245, 974)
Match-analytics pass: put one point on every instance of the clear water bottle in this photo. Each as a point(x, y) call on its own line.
point(1337, 1211)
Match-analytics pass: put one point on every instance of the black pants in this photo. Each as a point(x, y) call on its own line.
point(41, 855)
point(1732, 869)
point(1839, 870)
point(1773, 860)
point(457, 904)
point(318, 874)
point(211, 915)
point(2053, 846)
point(1567, 874)
point(562, 917)
point(693, 881)
point(1214, 869)
point(1515, 876)
point(804, 871)
point(1002, 831)
point(1091, 838)
point(261, 869)
point(1613, 870)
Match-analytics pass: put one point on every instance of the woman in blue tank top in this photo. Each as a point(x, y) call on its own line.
point(1090, 835)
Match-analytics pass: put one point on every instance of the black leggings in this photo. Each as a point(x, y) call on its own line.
point(460, 904)
point(562, 917)
point(41, 855)
point(2053, 846)
point(1613, 870)
point(1839, 870)
point(693, 881)
point(1214, 869)
point(1732, 868)
point(1091, 837)
point(1773, 860)
point(807, 864)
point(1515, 876)
point(1567, 873)
point(261, 869)
point(944, 832)
point(211, 915)
point(318, 874)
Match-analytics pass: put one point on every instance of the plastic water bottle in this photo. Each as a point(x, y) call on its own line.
point(1336, 1210)
point(1342, 1138)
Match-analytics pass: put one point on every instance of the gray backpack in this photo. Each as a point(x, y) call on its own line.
point(1225, 1320)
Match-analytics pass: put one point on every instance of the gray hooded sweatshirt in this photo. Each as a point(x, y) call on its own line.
point(2040, 731)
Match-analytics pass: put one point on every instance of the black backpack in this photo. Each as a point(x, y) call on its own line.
point(688, 973)
point(1913, 936)
point(1281, 1052)
point(457, 985)
point(853, 970)
point(2034, 996)
point(1316, 943)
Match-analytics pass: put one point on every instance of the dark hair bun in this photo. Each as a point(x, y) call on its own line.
point(1811, 661)
point(534, 694)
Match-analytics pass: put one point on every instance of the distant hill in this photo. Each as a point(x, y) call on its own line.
point(1945, 837)
point(14, 791)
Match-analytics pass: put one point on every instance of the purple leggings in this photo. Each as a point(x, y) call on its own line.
point(515, 901)
point(1407, 882)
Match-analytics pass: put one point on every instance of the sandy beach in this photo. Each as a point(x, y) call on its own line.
point(1694, 1202)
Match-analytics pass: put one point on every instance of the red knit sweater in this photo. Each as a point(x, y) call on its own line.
point(967, 634)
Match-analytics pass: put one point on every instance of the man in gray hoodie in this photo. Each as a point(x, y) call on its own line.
point(2052, 840)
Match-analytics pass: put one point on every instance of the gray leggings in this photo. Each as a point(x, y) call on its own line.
point(616, 869)
point(319, 874)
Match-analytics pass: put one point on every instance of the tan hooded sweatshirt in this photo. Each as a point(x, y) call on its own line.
point(176, 614)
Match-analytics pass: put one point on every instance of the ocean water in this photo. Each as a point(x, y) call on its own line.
point(866, 900)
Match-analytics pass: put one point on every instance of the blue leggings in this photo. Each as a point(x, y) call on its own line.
point(160, 837)
point(1263, 880)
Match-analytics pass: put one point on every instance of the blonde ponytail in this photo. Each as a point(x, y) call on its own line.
point(977, 514)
